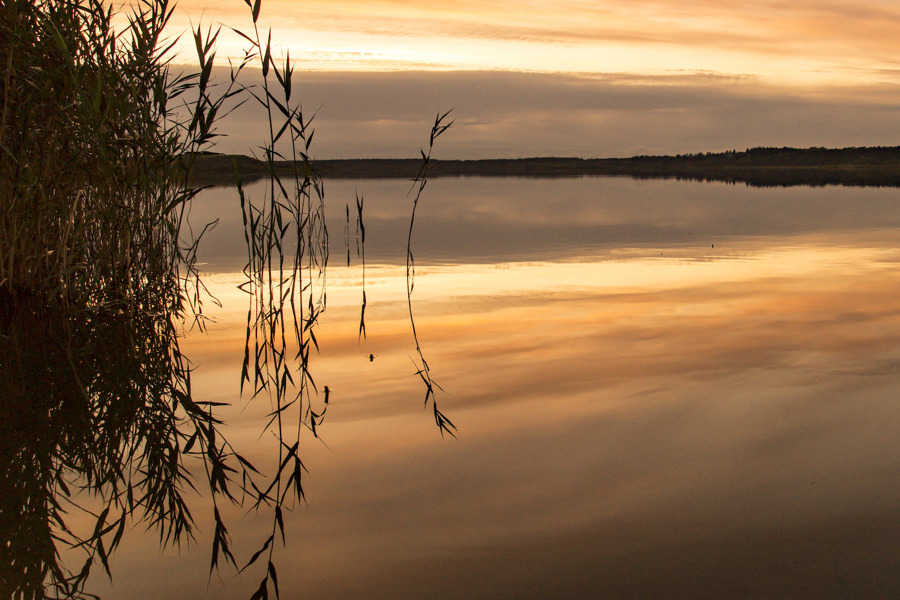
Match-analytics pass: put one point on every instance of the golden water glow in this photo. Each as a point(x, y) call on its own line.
point(646, 376)
point(627, 404)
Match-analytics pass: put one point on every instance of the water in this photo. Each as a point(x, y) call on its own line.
point(663, 389)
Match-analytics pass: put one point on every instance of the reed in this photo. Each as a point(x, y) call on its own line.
point(422, 369)
point(287, 243)
point(95, 282)
point(98, 280)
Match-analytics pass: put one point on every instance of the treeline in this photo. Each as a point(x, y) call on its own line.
point(769, 166)
point(780, 157)
point(860, 166)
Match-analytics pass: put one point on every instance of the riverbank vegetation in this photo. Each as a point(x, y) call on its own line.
point(876, 166)
point(98, 283)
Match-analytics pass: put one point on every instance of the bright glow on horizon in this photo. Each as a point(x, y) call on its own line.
point(571, 78)
point(806, 42)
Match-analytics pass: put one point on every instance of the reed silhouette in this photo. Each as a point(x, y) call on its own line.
point(98, 281)
point(423, 371)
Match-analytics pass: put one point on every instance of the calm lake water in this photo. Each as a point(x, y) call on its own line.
point(663, 390)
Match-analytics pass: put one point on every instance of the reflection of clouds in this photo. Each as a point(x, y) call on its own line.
point(498, 219)
point(702, 428)
point(627, 414)
point(698, 412)
point(733, 407)
point(593, 325)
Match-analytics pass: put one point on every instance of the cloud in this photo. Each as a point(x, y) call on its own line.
point(509, 114)
point(768, 38)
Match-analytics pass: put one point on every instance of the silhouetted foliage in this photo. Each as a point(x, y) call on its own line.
point(756, 167)
point(94, 286)
point(97, 283)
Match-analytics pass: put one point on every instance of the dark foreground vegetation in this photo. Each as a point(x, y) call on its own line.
point(98, 282)
point(878, 166)
point(99, 428)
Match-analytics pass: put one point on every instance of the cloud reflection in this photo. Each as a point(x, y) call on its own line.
point(484, 220)
point(674, 420)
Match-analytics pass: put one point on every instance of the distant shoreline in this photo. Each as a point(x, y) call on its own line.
point(866, 166)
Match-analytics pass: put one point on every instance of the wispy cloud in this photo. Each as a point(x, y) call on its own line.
point(812, 39)
point(528, 114)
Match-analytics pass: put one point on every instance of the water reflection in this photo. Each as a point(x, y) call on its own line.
point(641, 416)
point(487, 220)
point(92, 428)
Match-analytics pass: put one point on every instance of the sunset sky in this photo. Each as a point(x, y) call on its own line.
point(599, 78)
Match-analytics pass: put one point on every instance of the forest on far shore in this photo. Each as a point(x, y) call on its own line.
point(863, 166)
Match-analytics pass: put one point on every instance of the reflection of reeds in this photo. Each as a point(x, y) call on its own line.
point(361, 252)
point(94, 285)
point(421, 179)
point(347, 231)
point(287, 244)
point(96, 282)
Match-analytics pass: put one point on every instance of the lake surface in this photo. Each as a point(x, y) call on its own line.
point(663, 390)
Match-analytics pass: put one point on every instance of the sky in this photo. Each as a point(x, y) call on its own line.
point(574, 78)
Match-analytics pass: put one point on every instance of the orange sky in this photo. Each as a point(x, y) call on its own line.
point(573, 78)
point(803, 41)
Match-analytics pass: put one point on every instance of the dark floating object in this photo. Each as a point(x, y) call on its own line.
point(371, 357)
